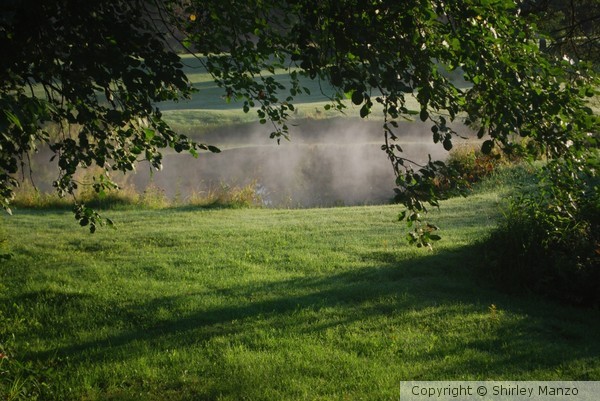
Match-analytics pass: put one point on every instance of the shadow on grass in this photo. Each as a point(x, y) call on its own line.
point(480, 332)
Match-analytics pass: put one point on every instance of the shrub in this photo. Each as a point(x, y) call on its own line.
point(467, 165)
point(549, 240)
point(472, 164)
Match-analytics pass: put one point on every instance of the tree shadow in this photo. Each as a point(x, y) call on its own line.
point(538, 334)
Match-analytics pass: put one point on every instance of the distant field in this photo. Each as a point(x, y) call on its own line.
point(260, 304)
point(208, 109)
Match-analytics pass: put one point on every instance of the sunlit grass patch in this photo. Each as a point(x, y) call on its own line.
point(330, 303)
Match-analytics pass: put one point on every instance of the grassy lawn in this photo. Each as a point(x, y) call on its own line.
point(267, 304)
point(259, 304)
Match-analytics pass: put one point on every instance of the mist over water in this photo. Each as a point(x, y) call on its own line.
point(326, 163)
point(329, 162)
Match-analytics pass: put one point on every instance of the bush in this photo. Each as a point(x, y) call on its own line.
point(549, 241)
point(472, 164)
point(467, 165)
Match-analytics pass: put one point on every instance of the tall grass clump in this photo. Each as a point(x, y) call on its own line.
point(225, 195)
point(28, 196)
point(467, 166)
point(548, 241)
point(152, 197)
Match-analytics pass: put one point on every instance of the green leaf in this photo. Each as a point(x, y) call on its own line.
point(487, 146)
point(357, 97)
point(402, 215)
point(589, 92)
point(149, 133)
point(447, 143)
point(365, 110)
point(424, 115)
point(13, 118)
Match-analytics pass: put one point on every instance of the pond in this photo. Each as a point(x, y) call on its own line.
point(326, 163)
point(331, 162)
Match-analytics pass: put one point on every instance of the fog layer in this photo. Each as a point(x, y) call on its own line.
point(325, 163)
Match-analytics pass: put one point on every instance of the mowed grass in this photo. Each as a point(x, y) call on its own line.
point(259, 304)
point(208, 108)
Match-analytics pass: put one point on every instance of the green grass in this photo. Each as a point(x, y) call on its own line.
point(259, 304)
point(208, 109)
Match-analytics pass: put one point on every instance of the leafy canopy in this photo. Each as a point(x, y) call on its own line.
point(97, 69)
point(84, 78)
point(569, 27)
point(378, 53)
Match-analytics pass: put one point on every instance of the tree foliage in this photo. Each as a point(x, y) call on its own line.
point(96, 70)
point(568, 28)
point(378, 53)
point(84, 78)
